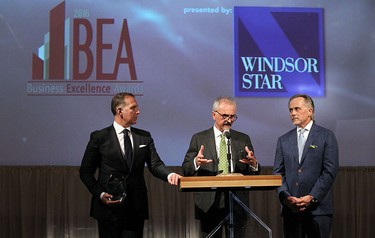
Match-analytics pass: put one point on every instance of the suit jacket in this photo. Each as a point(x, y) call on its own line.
point(103, 152)
point(204, 200)
point(316, 172)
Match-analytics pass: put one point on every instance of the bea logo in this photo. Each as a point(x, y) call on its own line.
point(88, 49)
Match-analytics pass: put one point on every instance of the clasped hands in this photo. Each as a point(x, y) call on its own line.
point(298, 204)
point(249, 159)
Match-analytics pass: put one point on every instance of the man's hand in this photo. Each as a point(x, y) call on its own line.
point(173, 178)
point(305, 202)
point(292, 203)
point(107, 199)
point(250, 158)
point(200, 160)
point(298, 204)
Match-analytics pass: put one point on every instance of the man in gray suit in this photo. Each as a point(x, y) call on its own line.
point(307, 173)
point(202, 159)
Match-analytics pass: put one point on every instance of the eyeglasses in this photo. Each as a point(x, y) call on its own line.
point(226, 117)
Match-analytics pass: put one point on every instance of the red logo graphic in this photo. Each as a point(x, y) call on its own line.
point(72, 57)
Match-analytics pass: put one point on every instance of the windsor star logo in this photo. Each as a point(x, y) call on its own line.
point(76, 59)
point(278, 52)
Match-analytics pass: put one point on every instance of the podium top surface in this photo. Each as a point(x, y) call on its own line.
point(231, 182)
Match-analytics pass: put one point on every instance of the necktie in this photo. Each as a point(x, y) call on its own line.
point(128, 147)
point(223, 161)
point(301, 143)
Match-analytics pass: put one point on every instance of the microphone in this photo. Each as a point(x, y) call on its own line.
point(227, 134)
point(229, 154)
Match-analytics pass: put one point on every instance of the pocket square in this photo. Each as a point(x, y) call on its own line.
point(141, 146)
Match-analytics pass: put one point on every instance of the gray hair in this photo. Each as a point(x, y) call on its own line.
point(221, 99)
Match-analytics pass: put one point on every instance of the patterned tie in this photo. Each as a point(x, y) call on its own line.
point(223, 161)
point(128, 147)
point(301, 143)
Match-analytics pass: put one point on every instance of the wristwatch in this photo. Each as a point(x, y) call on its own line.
point(314, 203)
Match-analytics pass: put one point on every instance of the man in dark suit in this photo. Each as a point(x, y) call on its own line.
point(307, 177)
point(121, 171)
point(202, 159)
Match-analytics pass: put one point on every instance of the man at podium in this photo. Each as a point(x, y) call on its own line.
point(219, 151)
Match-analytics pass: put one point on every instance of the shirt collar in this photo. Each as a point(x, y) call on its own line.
point(119, 129)
point(217, 132)
point(307, 127)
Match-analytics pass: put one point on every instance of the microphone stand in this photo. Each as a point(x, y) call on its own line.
point(229, 157)
point(230, 217)
point(230, 198)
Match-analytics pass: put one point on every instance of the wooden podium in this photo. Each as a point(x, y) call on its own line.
point(231, 182)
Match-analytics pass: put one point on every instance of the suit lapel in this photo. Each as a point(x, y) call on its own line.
point(234, 144)
point(113, 137)
point(293, 144)
point(136, 142)
point(309, 141)
point(210, 138)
